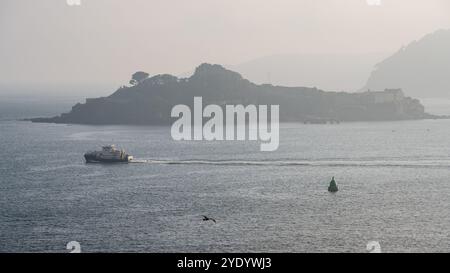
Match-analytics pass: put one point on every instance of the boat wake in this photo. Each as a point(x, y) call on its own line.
point(307, 163)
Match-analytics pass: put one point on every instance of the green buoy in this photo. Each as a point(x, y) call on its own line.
point(333, 187)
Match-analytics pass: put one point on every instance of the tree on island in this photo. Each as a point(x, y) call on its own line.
point(138, 77)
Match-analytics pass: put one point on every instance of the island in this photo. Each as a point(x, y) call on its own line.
point(149, 100)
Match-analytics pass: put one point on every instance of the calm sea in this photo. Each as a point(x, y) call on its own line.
point(394, 180)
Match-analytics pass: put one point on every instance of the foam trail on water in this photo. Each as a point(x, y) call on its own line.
point(312, 163)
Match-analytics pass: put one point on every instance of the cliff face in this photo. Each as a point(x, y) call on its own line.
point(150, 100)
point(422, 68)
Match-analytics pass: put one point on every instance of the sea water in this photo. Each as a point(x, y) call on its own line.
point(394, 181)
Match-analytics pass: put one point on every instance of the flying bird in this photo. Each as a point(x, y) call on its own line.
point(206, 218)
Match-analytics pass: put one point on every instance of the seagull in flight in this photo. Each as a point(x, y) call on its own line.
point(206, 218)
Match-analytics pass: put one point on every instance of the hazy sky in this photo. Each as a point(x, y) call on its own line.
point(104, 41)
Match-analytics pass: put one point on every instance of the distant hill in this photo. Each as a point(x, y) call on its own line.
point(150, 100)
point(334, 72)
point(422, 68)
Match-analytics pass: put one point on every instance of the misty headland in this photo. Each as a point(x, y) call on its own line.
point(422, 67)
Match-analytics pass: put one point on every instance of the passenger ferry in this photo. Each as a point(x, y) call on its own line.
point(108, 154)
